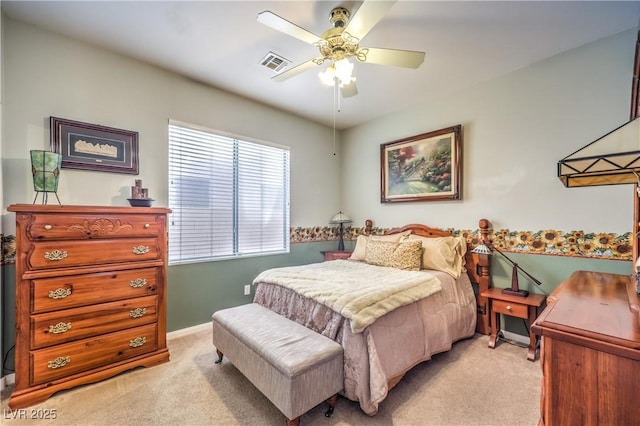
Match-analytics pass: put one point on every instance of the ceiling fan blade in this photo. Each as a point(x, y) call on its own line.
point(349, 90)
point(274, 21)
point(399, 58)
point(285, 75)
point(366, 17)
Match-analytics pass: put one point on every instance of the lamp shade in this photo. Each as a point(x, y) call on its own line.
point(45, 168)
point(342, 70)
point(481, 249)
point(610, 160)
point(340, 218)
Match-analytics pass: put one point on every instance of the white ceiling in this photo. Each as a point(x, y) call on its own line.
point(221, 43)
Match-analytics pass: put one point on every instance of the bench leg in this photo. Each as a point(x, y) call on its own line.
point(219, 357)
point(294, 422)
point(332, 403)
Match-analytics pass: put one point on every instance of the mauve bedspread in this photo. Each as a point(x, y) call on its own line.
point(376, 358)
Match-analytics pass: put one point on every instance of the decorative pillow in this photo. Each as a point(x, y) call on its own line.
point(360, 249)
point(444, 254)
point(401, 255)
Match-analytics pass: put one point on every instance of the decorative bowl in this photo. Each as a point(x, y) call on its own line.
point(141, 202)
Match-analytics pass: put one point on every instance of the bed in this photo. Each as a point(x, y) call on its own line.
point(387, 314)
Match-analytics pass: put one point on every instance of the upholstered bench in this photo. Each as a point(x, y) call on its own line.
point(293, 366)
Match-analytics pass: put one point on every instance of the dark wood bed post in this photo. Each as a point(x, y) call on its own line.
point(368, 226)
point(483, 264)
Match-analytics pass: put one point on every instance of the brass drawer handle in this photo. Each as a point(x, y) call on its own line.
point(59, 293)
point(138, 341)
point(138, 312)
point(55, 255)
point(59, 362)
point(509, 308)
point(140, 250)
point(48, 227)
point(60, 327)
point(147, 226)
point(138, 282)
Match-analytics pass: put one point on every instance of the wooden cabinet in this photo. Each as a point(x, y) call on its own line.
point(336, 254)
point(90, 295)
point(590, 351)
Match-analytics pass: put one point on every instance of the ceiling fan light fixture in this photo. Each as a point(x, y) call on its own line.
point(341, 70)
point(343, 41)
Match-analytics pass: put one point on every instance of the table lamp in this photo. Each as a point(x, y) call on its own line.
point(482, 248)
point(45, 168)
point(340, 219)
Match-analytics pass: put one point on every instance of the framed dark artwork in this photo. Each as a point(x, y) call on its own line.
point(424, 167)
point(92, 147)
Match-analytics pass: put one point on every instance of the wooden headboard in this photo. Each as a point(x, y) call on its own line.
point(477, 265)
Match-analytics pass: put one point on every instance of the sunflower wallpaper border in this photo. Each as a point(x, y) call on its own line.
point(602, 245)
point(609, 246)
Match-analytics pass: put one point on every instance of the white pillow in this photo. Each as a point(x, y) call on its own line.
point(444, 254)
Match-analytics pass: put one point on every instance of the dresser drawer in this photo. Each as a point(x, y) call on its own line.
point(61, 254)
point(72, 324)
point(50, 294)
point(82, 355)
point(510, 308)
point(44, 227)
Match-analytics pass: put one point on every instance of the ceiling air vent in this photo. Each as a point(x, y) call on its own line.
point(275, 63)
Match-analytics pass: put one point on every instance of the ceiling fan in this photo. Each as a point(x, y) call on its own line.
point(341, 42)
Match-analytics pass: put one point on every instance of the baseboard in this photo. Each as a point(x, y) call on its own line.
point(515, 337)
point(10, 379)
point(184, 331)
point(7, 381)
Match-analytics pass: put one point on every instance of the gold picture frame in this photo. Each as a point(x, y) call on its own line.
point(425, 167)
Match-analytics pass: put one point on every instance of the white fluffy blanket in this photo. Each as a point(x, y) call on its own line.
point(358, 291)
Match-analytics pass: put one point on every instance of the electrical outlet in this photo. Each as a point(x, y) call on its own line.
point(247, 289)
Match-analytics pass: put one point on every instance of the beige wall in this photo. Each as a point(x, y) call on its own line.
point(516, 129)
point(51, 75)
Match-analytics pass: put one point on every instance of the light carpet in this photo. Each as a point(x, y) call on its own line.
point(469, 385)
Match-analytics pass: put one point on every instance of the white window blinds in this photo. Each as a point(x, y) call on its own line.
point(228, 197)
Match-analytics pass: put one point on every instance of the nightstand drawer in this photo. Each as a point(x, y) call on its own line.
point(510, 308)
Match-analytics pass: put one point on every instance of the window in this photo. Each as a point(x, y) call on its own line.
point(229, 197)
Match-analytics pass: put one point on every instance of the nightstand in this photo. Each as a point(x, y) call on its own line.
point(336, 254)
point(520, 307)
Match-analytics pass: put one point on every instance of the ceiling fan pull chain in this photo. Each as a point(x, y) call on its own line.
point(336, 95)
point(335, 92)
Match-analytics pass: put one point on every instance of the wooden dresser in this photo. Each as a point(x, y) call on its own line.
point(90, 295)
point(590, 353)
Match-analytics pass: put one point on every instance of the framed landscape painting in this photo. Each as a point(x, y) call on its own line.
point(424, 167)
